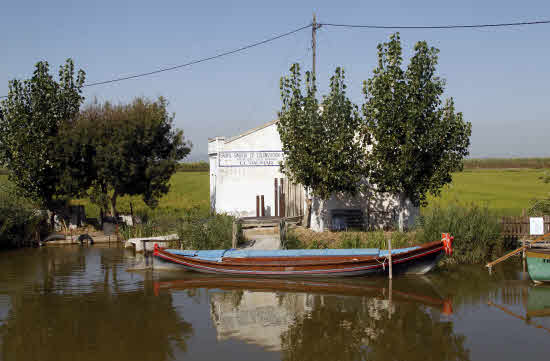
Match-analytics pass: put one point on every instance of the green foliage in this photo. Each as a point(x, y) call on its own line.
point(503, 163)
point(541, 207)
point(475, 229)
point(197, 232)
point(32, 114)
point(417, 142)
point(129, 149)
point(193, 167)
point(319, 140)
point(19, 220)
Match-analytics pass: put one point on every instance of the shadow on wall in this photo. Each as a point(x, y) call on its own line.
point(379, 210)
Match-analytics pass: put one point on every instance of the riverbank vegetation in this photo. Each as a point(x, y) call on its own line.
point(55, 151)
point(476, 231)
point(20, 222)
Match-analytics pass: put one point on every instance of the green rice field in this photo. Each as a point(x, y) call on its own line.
point(505, 191)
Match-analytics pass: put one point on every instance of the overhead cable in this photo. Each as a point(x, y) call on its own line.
point(437, 26)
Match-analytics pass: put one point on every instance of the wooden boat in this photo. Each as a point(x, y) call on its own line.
point(538, 264)
point(311, 262)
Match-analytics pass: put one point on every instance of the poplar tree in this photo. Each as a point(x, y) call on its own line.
point(32, 115)
point(322, 150)
point(416, 139)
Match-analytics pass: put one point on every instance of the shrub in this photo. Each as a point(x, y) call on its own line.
point(476, 231)
point(213, 232)
point(20, 222)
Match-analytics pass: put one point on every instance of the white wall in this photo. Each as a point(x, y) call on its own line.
point(236, 188)
point(380, 210)
point(233, 190)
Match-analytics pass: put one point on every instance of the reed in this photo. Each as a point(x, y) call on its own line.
point(476, 231)
point(198, 232)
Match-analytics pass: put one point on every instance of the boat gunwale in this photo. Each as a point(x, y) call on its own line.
point(295, 261)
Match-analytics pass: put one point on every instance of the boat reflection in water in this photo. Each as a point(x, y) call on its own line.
point(352, 315)
point(536, 302)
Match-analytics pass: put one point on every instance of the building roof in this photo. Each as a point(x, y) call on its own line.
point(229, 140)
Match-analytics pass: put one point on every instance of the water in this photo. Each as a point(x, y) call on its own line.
point(73, 303)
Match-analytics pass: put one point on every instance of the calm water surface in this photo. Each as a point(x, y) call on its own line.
point(72, 303)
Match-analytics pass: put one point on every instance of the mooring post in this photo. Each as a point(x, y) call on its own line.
point(390, 304)
point(144, 251)
point(390, 261)
point(523, 252)
point(234, 238)
point(282, 231)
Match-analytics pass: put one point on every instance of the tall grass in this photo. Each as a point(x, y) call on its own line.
point(213, 232)
point(302, 238)
point(476, 231)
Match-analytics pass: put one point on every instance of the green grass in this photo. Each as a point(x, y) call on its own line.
point(187, 190)
point(504, 192)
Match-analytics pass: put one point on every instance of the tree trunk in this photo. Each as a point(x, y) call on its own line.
point(52, 220)
point(306, 221)
point(402, 199)
point(113, 204)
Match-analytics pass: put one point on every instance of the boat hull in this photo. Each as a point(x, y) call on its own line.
point(538, 264)
point(418, 261)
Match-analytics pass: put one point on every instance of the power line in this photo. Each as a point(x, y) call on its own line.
point(305, 27)
point(196, 61)
point(437, 26)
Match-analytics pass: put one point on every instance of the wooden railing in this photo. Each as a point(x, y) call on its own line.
point(518, 226)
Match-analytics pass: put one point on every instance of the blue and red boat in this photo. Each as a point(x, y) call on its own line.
point(418, 259)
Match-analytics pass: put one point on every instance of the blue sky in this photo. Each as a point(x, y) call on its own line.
point(499, 78)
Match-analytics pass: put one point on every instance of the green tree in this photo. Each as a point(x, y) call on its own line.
point(132, 150)
point(320, 141)
point(416, 140)
point(32, 115)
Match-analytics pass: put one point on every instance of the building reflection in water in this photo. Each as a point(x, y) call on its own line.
point(331, 319)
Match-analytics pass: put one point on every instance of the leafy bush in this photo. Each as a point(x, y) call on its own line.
point(20, 222)
point(476, 231)
point(213, 232)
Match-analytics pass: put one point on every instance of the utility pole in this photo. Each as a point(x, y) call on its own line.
point(314, 27)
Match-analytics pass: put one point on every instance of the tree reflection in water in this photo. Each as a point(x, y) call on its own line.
point(358, 328)
point(63, 315)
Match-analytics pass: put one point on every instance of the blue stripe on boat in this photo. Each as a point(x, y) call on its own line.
point(217, 255)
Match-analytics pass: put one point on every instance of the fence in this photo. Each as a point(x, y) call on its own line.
point(289, 198)
point(518, 226)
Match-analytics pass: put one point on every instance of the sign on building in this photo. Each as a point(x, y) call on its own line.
point(536, 226)
point(250, 158)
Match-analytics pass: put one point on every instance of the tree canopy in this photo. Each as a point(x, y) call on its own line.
point(32, 114)
point(407, 142)
point(319, 140)
point(416, 139)
point(130, 149)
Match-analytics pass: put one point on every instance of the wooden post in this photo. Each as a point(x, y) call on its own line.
point(282, 232)
point(262, 205)
point(234, 239)
point(144, 251)
point(390, 303)
point(390, 260)
point(523, 253)
point(132, 214)
point(257, 206)
point(276, 201)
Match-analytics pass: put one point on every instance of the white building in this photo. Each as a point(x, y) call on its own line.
point(244, 170)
